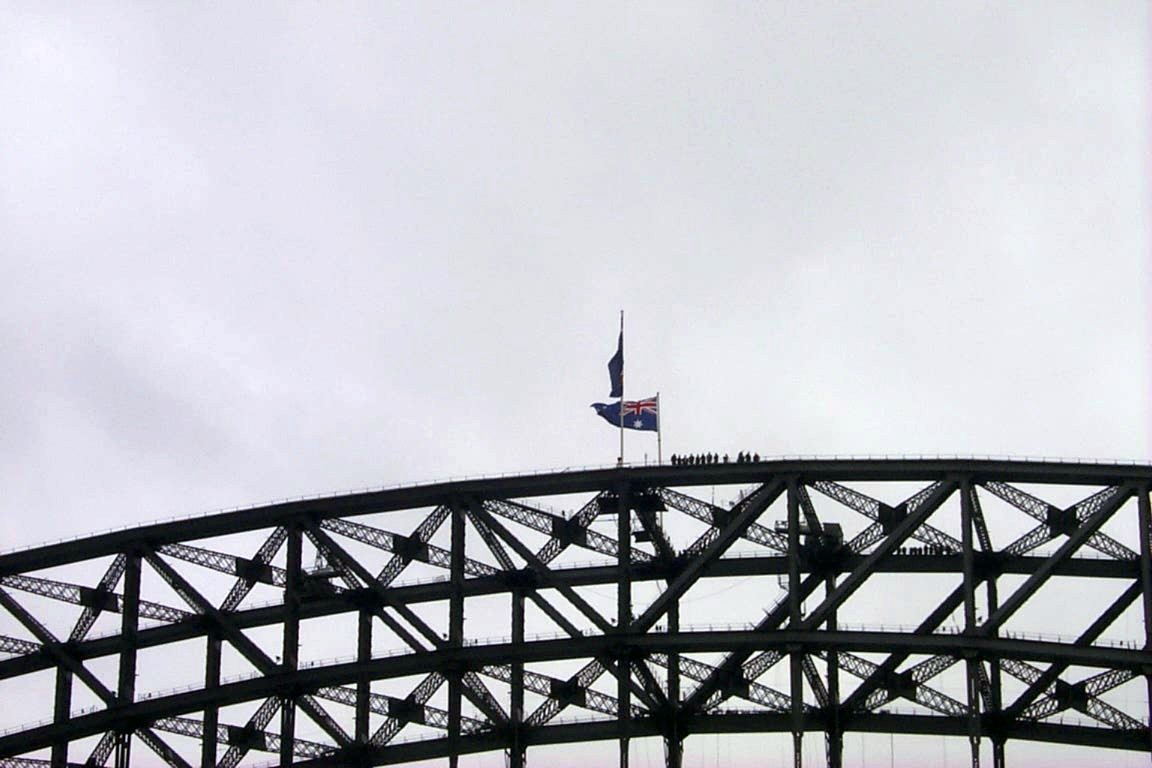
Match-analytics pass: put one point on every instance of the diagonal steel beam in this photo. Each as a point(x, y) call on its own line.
point(857, 698)
point(815, 681)
point(420, 536)
point(417, 698)
point(544, 685)
point(811, 519)
point(1084, 697)
point(1044, 680)
point(379, 703)
point(715, 516)
point(227, 628)
point(107, 583)
point(75, 594)
point(578, 530)
point(256, 724)
point(17, 646)
point(429, 553)
point(919, 507)
point(542, 571)
point(1110, 715)
point(497, 548)
point(757, 693)
point(563, 532)
point(932, 667)
point(590, 673)
point(478, 693)
point(259, 566)
point(873, 508)
point(575, 529)
point(917, 676)
point(354, 576)
point(651, 686)
point(473, 688)
point(263, 741)
point(743, 516)
point(103, 749)
point(921, 694)
point(731, 668)
point(570, 691)
point(490, 539)
point(343, 560)
point(223, 562)
point(62, 655)
point(1046, 512)
point(863, 541)
point(1036, 579)
point(755, 667)
point(979, 524)
point(494, 544)
point(652, 524)
point(1030, 540)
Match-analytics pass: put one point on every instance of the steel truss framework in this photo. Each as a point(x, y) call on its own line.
point(634, 670)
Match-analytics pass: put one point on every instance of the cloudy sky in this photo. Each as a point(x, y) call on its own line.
point(251, 252)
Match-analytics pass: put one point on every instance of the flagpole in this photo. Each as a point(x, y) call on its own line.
point(659, 433)
point(620, 462)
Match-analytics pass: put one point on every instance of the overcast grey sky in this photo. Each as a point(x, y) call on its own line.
point(254, 251)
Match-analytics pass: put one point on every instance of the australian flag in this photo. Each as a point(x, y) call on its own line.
point(616, 369)
point(638, 414)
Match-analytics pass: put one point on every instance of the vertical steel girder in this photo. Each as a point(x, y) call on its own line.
point(663, 692)
point(1145, 533)
point(972, 665)
point(455, 628)
point(212, 653)
point(126, 689)
point(624, 615)
point(517, 750)
point(795, 616)
point(290, 653)
point(363, 699)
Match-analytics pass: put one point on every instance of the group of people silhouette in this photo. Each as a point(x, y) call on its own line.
point(698, 459)
point(931, 549)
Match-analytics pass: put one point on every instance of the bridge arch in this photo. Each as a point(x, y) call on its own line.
point(990, 601)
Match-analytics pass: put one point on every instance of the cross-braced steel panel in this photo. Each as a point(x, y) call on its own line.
point(965, 598)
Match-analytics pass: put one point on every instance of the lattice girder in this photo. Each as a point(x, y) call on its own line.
point(429, 632)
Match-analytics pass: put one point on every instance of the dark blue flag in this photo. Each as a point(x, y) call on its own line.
point(616, 369)
point(638, 414)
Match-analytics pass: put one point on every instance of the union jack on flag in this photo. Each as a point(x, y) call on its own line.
point(638, 414)
point(640, 407)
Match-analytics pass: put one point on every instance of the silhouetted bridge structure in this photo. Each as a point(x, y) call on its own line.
point(976, 555)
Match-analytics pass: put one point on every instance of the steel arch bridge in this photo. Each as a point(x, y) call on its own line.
point(595, 583)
